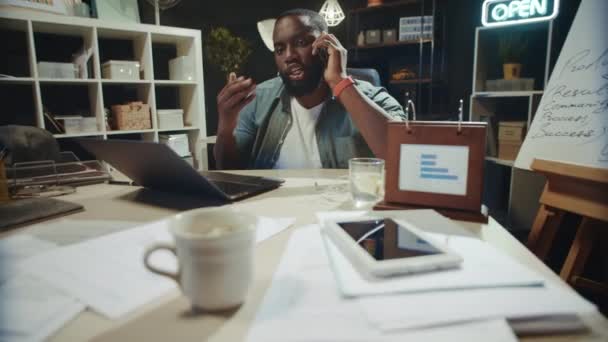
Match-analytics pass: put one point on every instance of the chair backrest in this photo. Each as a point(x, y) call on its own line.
point(27, 143)
point(365, 74)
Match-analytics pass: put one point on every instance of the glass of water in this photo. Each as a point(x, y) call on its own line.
point(366, 181)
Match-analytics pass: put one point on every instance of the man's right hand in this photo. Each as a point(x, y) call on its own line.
point(237, 93)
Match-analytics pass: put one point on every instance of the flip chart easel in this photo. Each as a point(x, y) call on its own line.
point(576, 189)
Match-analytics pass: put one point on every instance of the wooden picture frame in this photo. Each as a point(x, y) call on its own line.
point(471, 136)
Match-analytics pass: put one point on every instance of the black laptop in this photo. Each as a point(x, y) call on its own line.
point(158, 167)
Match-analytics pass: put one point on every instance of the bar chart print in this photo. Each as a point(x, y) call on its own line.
point(434, 168)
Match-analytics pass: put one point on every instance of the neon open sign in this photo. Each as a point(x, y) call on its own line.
point(512, 12)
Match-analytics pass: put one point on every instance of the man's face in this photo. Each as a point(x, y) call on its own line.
point(300, 70)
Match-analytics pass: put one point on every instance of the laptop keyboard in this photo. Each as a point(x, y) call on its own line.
point(234, 189)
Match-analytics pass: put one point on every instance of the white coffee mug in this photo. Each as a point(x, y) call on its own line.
point(214, 248)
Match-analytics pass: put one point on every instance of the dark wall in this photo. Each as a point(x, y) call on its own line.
point(241, 16)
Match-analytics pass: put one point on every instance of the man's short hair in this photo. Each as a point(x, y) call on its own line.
point(316, 21)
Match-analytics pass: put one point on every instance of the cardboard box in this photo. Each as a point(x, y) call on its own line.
point(508, 150)
point(513, 131)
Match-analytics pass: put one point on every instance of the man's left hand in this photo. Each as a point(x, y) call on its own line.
point(336, 61)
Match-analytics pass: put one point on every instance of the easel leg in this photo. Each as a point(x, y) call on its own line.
point(580, 250)
point(543, 230)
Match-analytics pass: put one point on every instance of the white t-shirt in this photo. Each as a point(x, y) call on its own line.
point(300, 149)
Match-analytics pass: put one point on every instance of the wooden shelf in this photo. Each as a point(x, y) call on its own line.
point(387, 5)
point(131, 132)
point(47, 35)
point(504, 162)
point(522, 93)
point(16, 80)
point(108, 81)
point(416, 81)
point(76, 135)
point(385, 45)
point(174, 82)
point(186, 128)
point(68, 80)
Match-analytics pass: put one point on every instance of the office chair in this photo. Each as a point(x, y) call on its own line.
point(365, 74)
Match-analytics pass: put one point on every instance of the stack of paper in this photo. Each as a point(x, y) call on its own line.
point(305, 294)
point(30, 309)
point(108, 274)
point(303, 304)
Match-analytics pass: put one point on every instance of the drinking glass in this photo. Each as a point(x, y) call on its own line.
point(366, 181)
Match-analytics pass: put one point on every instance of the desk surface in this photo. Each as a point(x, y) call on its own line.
point(168, 318)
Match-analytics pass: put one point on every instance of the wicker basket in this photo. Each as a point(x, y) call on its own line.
point(131, 116)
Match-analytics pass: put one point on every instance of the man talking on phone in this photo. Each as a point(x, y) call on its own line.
point(312, 116)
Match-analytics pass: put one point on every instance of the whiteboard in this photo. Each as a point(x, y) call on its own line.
point(571, 123)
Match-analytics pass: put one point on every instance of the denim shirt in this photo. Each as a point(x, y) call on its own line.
point(264, 123)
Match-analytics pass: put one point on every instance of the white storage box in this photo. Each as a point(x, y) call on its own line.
point(177, 142)
point(71, 123)
point(88, 124)
point(120, 70)
point(170, 118)
point(181, 69)
point(57, 70)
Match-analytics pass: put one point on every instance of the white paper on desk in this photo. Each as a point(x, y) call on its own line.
point(68, 231)
point(482, 267)
point(294, 182)
point(108, 274)
point(30, 308)
point(437, 308)
point(268, 227)
point(303, 304)
point(15, 249)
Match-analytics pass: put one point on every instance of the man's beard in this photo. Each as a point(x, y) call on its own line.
point(306, 86)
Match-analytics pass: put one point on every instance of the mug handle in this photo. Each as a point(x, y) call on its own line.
point(154, 269)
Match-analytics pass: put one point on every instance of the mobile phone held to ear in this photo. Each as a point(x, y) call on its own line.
point(324, 56)
point(385, 247)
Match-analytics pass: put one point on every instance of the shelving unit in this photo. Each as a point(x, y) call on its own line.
point(54, 38)
point(425, 57)
point(510, 194)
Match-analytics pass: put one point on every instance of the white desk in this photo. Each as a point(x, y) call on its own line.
point(169, 319)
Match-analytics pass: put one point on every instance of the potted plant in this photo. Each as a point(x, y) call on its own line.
point(511, 48)
point(226, 50)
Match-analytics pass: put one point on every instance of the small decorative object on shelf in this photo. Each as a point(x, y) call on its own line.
point(372, 37)
point(361, 39)
point(404, 74)
point(372, 3)
point(131, 116)
point(389, 36)
point(511, 48)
